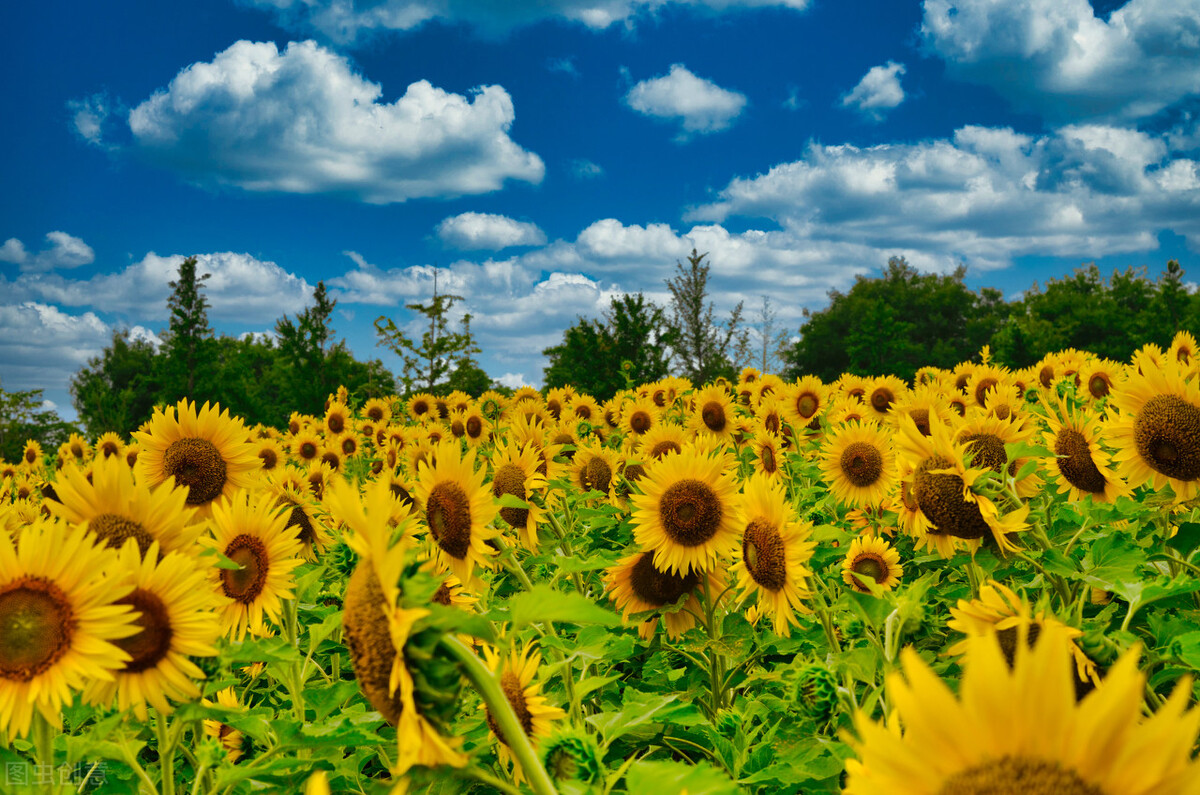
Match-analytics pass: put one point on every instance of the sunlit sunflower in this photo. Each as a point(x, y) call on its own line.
point(984, 378)
point(516, 673)
point(131, 453)
point(1047, 371)
point(77, 448)
point(117, 507)
point(637, 585)
point(925, 404)
point(768, 454)
point(435, 432)
point(337, 419)
point(1098, 378)
point(853, 387)
point(318, 475)
point(458, 510)
point(250, 531)
point(882, 393)
point(749, 375)
point(305, 446)
point(230, 738)
point(843, 409)
point(1157, 430)
point(804, 402)
point(1005, 402)
point(858, 463)
point(514, 471)
point(175, 621)
point(378, 410)
point(961, 376)
point(984, 437)
point(713, 413)
point(1081, 466)
point(332, 455)
point(685, 514)
point(776, 547)
point(594, 468)
point(420, 407)
point(639, 416)
point(662, 440)
point(270, 453)
point(205, 451)
point(1018, 730)
point(770, 415)
point(1183, 348)
point(32, 457)
point(59, 620)
point(477, 428)
point(871, 557)
point(304, 516)
point(557, 400)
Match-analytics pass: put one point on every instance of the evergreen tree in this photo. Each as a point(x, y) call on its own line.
point(703, 348)
point(188, 341)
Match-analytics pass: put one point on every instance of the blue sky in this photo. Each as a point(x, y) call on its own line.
point(548, 156)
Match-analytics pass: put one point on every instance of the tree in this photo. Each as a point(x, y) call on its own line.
point(302, 348)
point(772, 342)
point(23, 416)
point(427, 364)
point(116, 390)
point(702, 346)
point(188, 342)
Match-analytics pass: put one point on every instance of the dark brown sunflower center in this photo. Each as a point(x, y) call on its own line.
point(713, 416)
point(448, 512)
point(349, 445)
point(921, 420)
point(659, 588)
point(1018, 775)
point(336, 423)
point(982, 388)
point(298, 519)
point(640, 422)
point(1167, 435)
point(597, 475)
point(510, 479)
point(31, 455)
point(1098, 385)
point(308, 450)
point(36, 627)
point(1076, 463)
point(862, 463)
point(766, 460)
point(245, 584)
point(583, 411)
point(940, 497)
point(196, 464)
point(458, 428)
point(960, 383)
point(114, 529)
point(868, 564)
point(1046, 375)
point(772, 423)
point(510, 683)
point(807, 405)
point(763, 553)
point(662, 448)
point(153, 642)
point(474, 427)
point(333, 459)
point(987, 450)
point(634, 472)
point(442, 595)
point(690, 512)
point(268, 457)
point(108, 449)
point(420, 408)
point(882, 399)
point(400, 493)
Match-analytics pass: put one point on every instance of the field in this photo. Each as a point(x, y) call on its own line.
point(981, 582)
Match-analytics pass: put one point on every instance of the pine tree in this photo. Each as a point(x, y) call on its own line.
point(704, 349)
point(188, 342)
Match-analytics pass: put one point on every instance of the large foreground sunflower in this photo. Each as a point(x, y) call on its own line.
point(1157, 431)
point(1019, 730)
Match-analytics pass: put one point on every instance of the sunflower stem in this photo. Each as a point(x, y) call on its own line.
point(43, 740)
point(291, 610)
point(166, 754)
point(502, 711)
point(131, 760)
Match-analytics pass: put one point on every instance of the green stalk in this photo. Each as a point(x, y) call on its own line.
point(291, 623)
point(43, 739)
point(166, 755)
point(501, 710)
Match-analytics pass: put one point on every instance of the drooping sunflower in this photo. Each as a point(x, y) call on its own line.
point(60, 619)
point(637, 585)
point(250, 531)
point(874, 558)
point(516, 673)
point(1081, 466)
point(1157, 430)
point(594, 468)
point(176, 619)
point(768, 454)
point(205, 451)
point(230, 738)
point(1019, 729)
point(458, 510)
point(776, 547)
point(713, 413)
point(859, 464)
point(304, 516)
point(685, 514)
point(116, 507)
point(514, 471)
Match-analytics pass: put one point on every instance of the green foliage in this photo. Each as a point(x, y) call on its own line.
point(116, 390)
point(22, 417)
point(188, 343)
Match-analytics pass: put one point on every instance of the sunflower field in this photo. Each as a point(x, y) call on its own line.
point(981, 583)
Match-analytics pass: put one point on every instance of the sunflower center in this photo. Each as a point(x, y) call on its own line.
point(766, 458)
point(153, 642)
point(597, 475)
point(304, 529)
point(108, 449)
point(1098, 385)
point(474, 427)
point(713, 416)
point(882, 399)
point(114, 529)
point(659, 588)
point(268, 458)
point(862, 463)
point(921, 419)
point(510, 683)
point(336, 423)
point(333, 459)
point(986, 450)
point(245, 584)
point(1018, 775)
point(308, 450)
point(1046, 375)
point(198, 465)
point(1076, 463)
point(369, 641)
point(640, 422)
point(349, 445)
point(458, 428)
point(982, 387)
point(772, 423)
point(1167, 434)
point(763, 553)
point(36, 627)
point(807, 404)
point(634, 472)
point(662, 448)
point(510, 479)
point(442, 595)
point(448, 512)
point(690, 512)
point(870, 565)
point(940, 498)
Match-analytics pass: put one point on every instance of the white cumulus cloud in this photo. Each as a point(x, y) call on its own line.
point(301, 121)
point(63, 251)
point(699, 105)
point(474, 231)
point(878, 92)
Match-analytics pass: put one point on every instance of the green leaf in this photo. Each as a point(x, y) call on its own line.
point(1186, 539)
point(640, 710)
point(672, 777)
point(512, 501)
point(543, 604)
point(264, 650)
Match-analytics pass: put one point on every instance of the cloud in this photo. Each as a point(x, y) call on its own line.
point(63, 251)
point(345, 21)
point(701, 106)
point(240, 288)
point(564, 65)
point(985, 196)
point(1058, 59)
point(878, 92)
point(474, 231)
point(585, 169)
point(301, 121)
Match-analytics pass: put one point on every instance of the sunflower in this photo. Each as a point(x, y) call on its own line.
point(458, 510)
point(843, 409)
point(986, 377)
point(117, 507)
point(984, 437)
point(477, 428)
point(420, 407)
point(303, 516)
point(882, 392)
point(78, 448)
point(685, 513)
point(175, 621)
point(337, 419)
point(1005, 401)
point(557, 400)
point(776, 547)
point(1081, 466)
point(270, 453)
point(1157, 430)
point(251, 532)
point(749, 375)
point(585, 407)
point(332, 455)
point(109, 444)
point(306, 446)
point(926, 404)
point(1019, 729)
point(713, 413)
point(804, 402)
point(60, 618)
point(1183, 348)
point(378, 410)
point(32, 455)
point(516, 674)
point(594, 468)
point(661, 440)
point(639, 416)
point(853, 387)
point(858, 463)
point(317, 476)
point(770, 415)
point(205, 451)
point(874, 558)
point(767, 452)
point(230, 738)
point(637, 585)
point(1098, 377)
point(514, 471)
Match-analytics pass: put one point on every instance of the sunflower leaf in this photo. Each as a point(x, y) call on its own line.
point(512, 501)
point(668, 776)
point(543, 604)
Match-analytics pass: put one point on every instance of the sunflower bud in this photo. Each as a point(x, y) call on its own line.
point(816, 692)
point(343, 559)
point(1099, 647)
point(570, 756)
point(437, 678)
